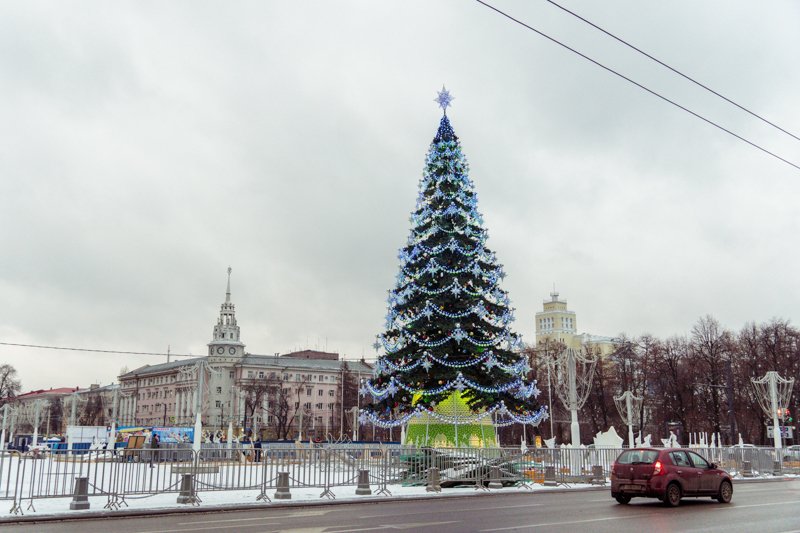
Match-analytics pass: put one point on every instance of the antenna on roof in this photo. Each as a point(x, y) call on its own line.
point(167, 353)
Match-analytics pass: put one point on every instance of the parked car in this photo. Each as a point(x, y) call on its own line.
point(792, 453)
point(669, 475)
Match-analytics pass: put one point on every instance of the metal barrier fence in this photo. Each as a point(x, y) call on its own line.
point(123, 474)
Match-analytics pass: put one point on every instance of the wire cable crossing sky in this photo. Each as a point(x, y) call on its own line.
point(651, 91)
point(147, 147)
point(673, 69)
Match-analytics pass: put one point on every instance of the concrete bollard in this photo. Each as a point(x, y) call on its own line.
point(363, 483)
point(80, 495)
point(494, 478)
point(186, 495)
point(550, 476)
point(747, 469)
point(777, 468)
point(598, 476)
point(282, 491)
point(434, 481)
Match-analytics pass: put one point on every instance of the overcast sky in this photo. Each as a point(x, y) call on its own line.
point(147, 146)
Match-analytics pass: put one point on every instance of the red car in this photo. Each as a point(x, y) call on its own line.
point(669, 475)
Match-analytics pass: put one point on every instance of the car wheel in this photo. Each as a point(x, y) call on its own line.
point(725, 492)
point(622, 499)
point(673, 495)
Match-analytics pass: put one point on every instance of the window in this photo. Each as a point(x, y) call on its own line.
point(330, 392)
point(698, 461)
point(261, 375)
point(218, 404)
point(679, 458)
point(330, 406)
point(318, 406)
point(219, 390)
point(308, 391)
point(296, 405)
point(319, 392)
point(307, 405)
point(637, 456)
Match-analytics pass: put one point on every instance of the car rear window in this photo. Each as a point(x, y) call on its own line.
point(637, 457)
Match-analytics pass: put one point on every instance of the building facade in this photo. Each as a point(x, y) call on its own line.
point(556, 323)
point(272, 396)
point(62, 406)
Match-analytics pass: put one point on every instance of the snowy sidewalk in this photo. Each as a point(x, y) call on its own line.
point(58, 508)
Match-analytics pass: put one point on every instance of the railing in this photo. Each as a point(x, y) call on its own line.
point(126, 474)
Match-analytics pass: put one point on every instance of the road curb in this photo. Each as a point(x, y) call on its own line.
point(94, 515)
point(134, 513)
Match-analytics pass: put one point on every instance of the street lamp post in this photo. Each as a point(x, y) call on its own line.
point(773, 396)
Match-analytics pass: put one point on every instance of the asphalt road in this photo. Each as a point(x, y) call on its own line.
point(757, 507)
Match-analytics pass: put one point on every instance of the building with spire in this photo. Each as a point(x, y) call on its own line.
point(271, 395)
point(226, 343)
point(556, 323)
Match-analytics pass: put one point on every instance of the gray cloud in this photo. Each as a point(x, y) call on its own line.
point(146, 146)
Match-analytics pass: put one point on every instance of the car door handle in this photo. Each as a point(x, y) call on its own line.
point(680, 471)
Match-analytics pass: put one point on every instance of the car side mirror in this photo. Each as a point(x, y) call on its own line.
point(712, 466)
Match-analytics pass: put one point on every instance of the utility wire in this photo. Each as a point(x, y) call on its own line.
point(651, 91)
point(117, 351)
point(676, 71)
point(94, 350)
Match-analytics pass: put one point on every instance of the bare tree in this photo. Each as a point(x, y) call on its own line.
point(710, 346)
point(9, 384)
point(254, 392)
point(279, 409)
point(92, 413)
point(56, 412)
point(673, 386)
point(347, 398)
point(599, 407)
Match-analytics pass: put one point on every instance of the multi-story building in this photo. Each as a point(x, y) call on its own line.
point(50, 406)
point(272, 395)
point(557, 323)
point(93, 406)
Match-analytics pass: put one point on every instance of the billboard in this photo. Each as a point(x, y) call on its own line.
point(787, 432)
point(96, 434)
point(166, 434)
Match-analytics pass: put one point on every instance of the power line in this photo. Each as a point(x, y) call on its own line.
point(676, 71)
point(95, 350)
point(629, 80)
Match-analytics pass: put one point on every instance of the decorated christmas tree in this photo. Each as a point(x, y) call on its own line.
point(449, 354)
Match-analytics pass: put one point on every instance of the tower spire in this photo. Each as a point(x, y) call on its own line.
point(228, 292)
point(226, 339)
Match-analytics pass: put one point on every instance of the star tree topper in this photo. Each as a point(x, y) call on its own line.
point(444, 98)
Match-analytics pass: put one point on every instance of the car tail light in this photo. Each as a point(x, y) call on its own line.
point(658, 469)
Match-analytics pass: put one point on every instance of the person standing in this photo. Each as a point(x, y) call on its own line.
point(154, 444)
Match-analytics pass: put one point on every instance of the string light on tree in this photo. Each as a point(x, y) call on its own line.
point(447, 339)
